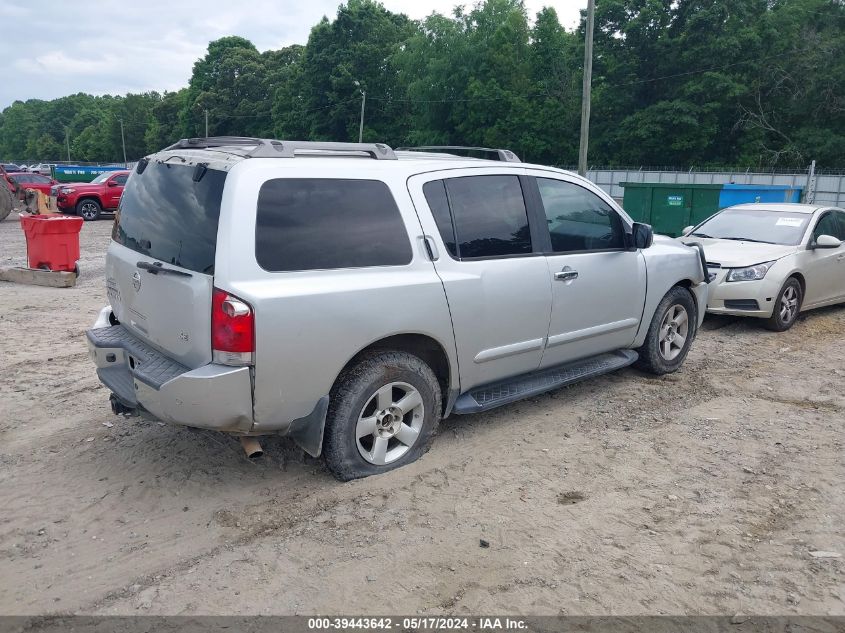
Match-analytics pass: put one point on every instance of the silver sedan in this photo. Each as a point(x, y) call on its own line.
point(773, 261)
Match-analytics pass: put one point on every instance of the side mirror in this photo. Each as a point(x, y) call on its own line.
point(641, 235)
point(826, 241)
point(687, 230)
point(112, 183)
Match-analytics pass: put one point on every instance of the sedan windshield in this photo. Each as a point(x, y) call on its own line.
point(755, 225)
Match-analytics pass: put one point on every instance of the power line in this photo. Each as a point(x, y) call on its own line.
point(789, 7)
point(618, 85)
point(699, 71)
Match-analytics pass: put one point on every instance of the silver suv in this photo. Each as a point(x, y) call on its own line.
point(349, 296)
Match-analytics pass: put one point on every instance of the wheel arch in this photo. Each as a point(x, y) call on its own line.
point(653, 299)
point(801, 280)
point(425, 347)
point(90, 196)
point(688, 284)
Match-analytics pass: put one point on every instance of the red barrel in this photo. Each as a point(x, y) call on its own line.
point(52, 240)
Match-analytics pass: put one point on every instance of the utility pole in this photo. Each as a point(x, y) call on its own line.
point(810, 188)
point(363, 103)
point(206, 123)
point(67, 143)
point(123, 142)
point(585, 92)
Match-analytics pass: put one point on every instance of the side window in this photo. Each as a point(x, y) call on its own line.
point(324, 223)
point(841, 217)
point(489, 216)
point(435, 195)
point(578, 219)
point(829, 225)
point(120, 180)
point(43, 180)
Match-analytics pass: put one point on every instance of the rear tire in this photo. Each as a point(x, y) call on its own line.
point(670, 333)
point(88, 209)
point(787, 307)
point(383, 414)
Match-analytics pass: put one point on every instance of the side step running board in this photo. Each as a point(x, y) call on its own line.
point(497, 394)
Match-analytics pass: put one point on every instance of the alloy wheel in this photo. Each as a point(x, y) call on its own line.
point(390, 423)
point(88, 210)
point(789, 304)
point(674, 329)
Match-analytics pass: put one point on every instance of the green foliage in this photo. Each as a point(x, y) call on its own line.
point(752, 83)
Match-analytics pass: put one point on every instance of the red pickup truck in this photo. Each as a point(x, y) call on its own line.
point(90, 199)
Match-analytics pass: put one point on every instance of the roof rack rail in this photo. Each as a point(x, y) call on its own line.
point(504, 155)
point(271, 148)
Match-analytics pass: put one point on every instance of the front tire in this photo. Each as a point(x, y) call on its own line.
point(88, 209)
point(670, 333)
point(787, 306)
point(383, 414)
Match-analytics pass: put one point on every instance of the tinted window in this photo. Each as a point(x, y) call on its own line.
point(832, 225)
point(489, 216)
point(435, 195)
point(120, 180)
point(770, 227)
point(164, 214)
point(39, 179)
point(321, 223)
point(578, 219)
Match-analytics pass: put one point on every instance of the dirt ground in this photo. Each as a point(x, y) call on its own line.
point(703, 492)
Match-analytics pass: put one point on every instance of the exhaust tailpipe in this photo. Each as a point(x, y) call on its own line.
point(118, 408)
point(251, 447)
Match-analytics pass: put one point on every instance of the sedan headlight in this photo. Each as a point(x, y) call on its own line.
point(752, 273)
point(66, 190)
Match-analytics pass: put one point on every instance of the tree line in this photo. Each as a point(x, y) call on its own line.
point(746, 83)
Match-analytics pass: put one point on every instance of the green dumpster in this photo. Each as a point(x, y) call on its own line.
point(669, 208)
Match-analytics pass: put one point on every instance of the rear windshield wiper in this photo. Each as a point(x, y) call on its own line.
point(158, 267)
point(747, 239)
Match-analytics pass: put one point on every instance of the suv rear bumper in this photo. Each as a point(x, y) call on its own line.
point(212, 397)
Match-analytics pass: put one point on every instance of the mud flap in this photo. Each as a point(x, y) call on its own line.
point(307, 432)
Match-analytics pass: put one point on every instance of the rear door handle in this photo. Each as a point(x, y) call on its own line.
point(566, 275)
point(430, 248)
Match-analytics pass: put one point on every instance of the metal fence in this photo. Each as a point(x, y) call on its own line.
point(830, 187)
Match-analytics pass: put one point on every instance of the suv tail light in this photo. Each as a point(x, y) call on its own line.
point(232, 329)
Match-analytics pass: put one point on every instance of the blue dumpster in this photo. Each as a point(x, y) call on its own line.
point(740, 194)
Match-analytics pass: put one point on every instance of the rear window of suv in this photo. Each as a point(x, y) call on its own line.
point(166, 215)
point(326, 223)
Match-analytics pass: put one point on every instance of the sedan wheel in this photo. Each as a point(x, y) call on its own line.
point(787, 306)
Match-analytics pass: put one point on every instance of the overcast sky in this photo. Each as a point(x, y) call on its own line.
point(51, 48)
